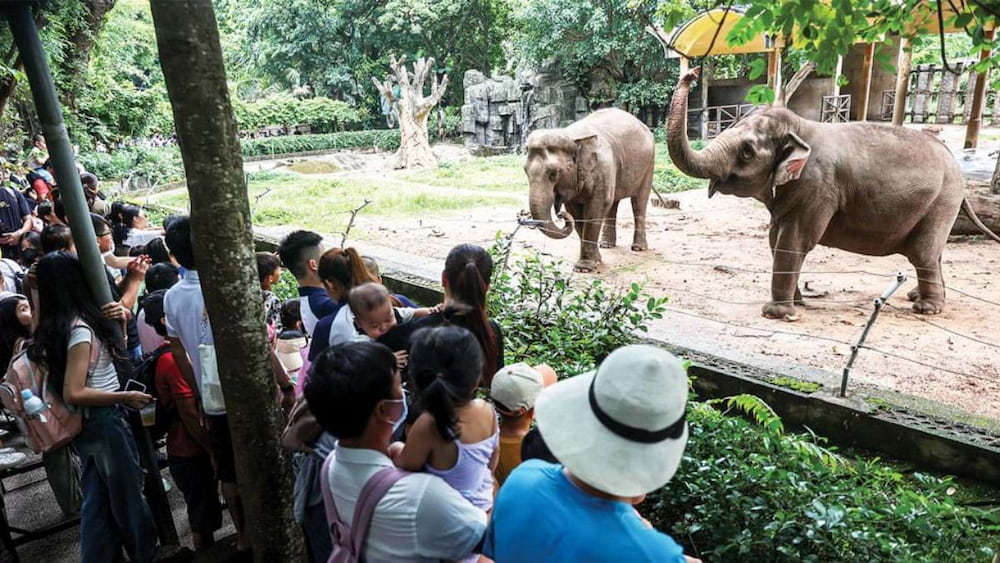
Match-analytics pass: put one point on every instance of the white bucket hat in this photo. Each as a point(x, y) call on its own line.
point(620, 429)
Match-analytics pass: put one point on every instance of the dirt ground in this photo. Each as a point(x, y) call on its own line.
point(711, 258)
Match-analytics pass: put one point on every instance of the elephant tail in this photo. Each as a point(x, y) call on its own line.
point(967, 208)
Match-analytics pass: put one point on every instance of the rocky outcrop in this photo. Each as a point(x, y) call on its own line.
point(500, 112)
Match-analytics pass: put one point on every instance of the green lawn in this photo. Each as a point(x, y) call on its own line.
point(323, 203)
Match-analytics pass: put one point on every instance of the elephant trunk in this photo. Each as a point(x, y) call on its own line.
point(684, 157)
point(541, 210)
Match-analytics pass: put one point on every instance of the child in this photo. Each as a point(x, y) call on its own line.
point(290, 342)
point(371, 314)
point(372, 266)
point(188, 453)
point(514, 390)
point(456, 435)
point(268, 273)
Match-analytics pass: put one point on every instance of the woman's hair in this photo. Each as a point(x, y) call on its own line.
point(291, 313)
point(344, 267)
point(267, 263)
point(178, 239)
point(345, 384)
point(11, 328)
point(157, 251)
point(446, 364)
point(122, 215)
point(28, 257)
point(467, 270)
point(63, 297)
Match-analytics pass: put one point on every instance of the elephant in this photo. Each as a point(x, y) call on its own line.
point(589, 167)
point(867, 188)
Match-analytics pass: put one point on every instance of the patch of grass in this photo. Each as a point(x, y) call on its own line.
point(795, 384)
point(668, 179)
point(489, 173)
point(324, 204)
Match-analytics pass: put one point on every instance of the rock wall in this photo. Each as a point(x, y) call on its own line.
point(500, 112)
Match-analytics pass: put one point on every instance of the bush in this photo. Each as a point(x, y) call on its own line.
point(158, 165)
point(753, 493)
point(324, 115)
point(452, 123)
point(548, 317)
point(382, 139)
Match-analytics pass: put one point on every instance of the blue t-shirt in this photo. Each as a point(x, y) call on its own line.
point(540, 515)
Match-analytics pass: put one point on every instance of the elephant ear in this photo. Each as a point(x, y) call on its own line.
point(587, 170)
point(795, 153)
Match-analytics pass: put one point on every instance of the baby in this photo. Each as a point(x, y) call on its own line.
point(371, 305)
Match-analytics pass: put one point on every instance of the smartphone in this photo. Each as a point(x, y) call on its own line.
point(133, 385)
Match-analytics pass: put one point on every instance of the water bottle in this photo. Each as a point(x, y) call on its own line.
point(33, 406)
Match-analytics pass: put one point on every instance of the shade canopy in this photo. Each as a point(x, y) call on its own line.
point(693, 38)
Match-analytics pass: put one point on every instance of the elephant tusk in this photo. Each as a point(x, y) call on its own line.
point(712, 188)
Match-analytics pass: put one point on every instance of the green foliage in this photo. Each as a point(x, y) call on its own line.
point(382, 139)
point(322, 114)
point(550, 317)
point(158, 165)
point(751, 492)
point(452, 123)
point(287, 286)
point(600, 45)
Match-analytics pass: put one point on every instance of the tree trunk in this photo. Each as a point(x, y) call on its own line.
point(188, 41)
point(82, 34)
point(412, 109)
point(985, 204)
point(995, 182)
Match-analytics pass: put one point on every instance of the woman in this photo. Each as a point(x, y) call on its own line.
point(131, 226)
point(466, 281)
point(70, 322)
point(340, 270)
point(61, 470)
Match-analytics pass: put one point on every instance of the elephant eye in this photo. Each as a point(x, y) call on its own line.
point(747, 151)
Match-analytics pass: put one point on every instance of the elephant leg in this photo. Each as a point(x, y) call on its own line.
point(772, 241)
point(609, 234)
point(590, 255)
point(639, 203)
point(791, 244)
point(928, 296)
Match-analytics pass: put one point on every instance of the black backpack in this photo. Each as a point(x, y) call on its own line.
point(145, 373)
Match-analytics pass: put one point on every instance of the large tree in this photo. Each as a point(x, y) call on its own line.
point(191, 57)
point(404, 90)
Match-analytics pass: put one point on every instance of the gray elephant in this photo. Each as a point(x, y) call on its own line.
point(589, 167)
point(862, 187)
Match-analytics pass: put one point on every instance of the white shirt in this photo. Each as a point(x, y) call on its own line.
point(103, 376)
point(343, 329)
point(184, 308)
point(420, 518)
point(139, 237)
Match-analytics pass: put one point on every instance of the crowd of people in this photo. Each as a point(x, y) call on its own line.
point(411, 438)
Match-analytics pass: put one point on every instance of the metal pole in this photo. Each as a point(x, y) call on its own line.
point(43, 90)
point(879, 303)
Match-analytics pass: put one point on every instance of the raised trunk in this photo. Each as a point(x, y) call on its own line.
point(188, 41)
point(541, 210)
point(686, 159)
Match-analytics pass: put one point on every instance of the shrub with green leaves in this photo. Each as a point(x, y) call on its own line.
point(156, 164)
point(324, 115)
point(550, 317)
point(381, 139)
point(747, 492)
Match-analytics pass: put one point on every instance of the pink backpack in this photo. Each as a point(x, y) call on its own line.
point(59, 425)
point(349, 543)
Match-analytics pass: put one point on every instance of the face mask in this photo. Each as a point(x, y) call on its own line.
point(402, 416)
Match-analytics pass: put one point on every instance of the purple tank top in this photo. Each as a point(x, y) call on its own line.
point(471, 475)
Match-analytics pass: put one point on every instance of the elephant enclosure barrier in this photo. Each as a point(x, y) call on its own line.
point(943, 95)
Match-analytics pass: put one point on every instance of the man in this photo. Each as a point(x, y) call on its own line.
point(619, 432)
point(187, 329)
point(514, 390)
point(356, 394)
point(300, 252)
point(15, 218)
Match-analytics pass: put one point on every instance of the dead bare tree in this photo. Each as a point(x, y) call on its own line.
point(412, 108)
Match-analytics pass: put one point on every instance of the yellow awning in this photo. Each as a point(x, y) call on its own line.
point(693, 38)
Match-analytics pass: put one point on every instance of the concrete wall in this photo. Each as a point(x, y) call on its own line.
point(727, 92)
point(808, 98)
point(882, 79)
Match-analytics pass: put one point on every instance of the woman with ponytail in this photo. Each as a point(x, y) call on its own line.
point(466, 281)
point(456, 435)
point(340, 270)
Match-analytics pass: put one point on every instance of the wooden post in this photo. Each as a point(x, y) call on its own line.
point(685, 66)
point(837, 74)
point(866, 81)
point(706, 76)
point(774, 74)
point(903, 66)
point(978, 98)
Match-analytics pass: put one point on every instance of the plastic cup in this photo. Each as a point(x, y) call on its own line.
point(148, 413)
